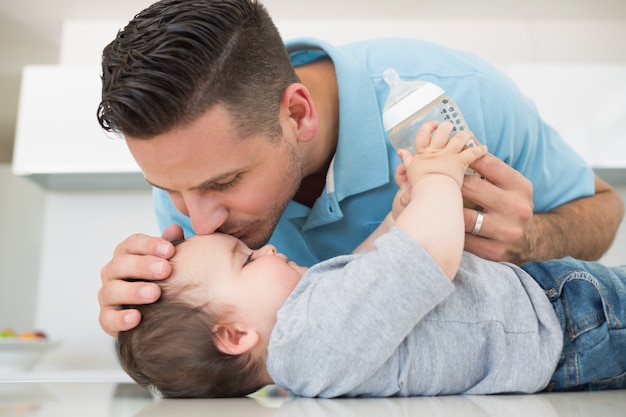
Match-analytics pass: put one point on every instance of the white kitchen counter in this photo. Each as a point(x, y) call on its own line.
point(56, 375)
point(98, 399)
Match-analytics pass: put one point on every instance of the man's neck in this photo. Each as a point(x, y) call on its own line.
point(320, 79)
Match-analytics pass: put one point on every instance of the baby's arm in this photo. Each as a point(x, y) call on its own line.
point(434, 214)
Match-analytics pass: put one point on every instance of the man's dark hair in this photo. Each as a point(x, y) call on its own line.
point(178, 58)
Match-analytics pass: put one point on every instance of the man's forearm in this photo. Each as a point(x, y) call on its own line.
point(584, 228)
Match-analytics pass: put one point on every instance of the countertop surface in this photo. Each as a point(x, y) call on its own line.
point(95, 399)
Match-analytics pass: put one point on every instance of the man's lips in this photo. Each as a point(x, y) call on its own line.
point(238, 233)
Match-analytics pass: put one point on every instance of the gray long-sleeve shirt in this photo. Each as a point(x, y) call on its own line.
point(390, 323)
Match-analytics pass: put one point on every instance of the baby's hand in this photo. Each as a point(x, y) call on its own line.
point(436, 154)
point(403, 196)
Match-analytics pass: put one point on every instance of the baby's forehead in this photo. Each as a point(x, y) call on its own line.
point(198, 245)
point(199, 254)
point(188, 280)
point(214, 239)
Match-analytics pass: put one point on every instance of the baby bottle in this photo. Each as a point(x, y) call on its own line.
point(410, 104)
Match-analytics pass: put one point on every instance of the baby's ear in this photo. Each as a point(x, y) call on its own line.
point(232, 340)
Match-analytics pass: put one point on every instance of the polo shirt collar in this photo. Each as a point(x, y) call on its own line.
point(361, 161)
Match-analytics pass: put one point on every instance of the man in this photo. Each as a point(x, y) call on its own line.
point(235, 140)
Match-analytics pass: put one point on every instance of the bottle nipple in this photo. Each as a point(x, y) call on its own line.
point(397, 91)
point(405, 97)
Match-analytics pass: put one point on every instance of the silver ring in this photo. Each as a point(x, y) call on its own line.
point(479, 224)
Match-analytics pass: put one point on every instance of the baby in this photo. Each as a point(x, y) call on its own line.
point(409, 314)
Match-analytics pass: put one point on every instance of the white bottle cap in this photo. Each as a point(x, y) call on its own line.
point(410, 104)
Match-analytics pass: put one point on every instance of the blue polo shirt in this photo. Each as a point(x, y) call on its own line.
point(360, 188)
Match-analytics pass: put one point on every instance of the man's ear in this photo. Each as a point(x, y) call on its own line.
point(232, 340)
point(298, 104)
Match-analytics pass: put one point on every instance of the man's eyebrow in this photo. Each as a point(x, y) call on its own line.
point(204, 184)
point(156, 186)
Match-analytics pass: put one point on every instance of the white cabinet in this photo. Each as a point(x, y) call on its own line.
point(59, 142)
point(586, 103)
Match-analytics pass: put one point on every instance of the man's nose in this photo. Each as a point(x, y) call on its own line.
point(207, 214)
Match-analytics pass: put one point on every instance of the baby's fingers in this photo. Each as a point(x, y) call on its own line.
point(460, 140)
point(470, 154)
point(441, 135)
point(424, 135)
point(406, 158)
point(400, 175)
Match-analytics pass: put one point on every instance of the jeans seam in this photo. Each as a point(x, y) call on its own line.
point(572, 370)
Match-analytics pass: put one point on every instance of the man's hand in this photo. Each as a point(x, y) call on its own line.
point(583, 228)
point(139, 257)
point(507, 233)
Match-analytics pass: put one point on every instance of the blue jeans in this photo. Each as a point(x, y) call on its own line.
point(590, 302)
